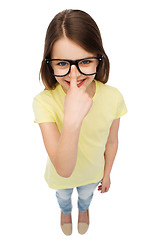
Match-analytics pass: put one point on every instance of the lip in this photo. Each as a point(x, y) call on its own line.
point(80, 84)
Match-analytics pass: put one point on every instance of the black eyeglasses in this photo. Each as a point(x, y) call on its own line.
point(62, 67)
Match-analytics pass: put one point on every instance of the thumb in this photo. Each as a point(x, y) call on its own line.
point(73, 76)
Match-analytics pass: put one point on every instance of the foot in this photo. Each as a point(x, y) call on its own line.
point(83, 222)
point(83, 217)
point(66, 223)
point(65, 218)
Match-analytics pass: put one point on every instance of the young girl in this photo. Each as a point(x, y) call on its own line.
point(78, 113)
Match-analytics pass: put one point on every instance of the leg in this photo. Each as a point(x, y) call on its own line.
point(85, 195)
point(64, 199)
point(84, 199)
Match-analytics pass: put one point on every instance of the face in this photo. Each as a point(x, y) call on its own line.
point(65, 48)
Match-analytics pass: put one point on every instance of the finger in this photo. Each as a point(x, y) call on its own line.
point(73, 76)
point(103, 189)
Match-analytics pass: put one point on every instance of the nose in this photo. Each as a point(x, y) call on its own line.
point(75, 70)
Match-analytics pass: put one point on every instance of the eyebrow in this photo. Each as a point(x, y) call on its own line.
point(65, 59)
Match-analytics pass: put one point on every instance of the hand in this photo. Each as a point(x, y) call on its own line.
point(105, 184)
point(77, 102)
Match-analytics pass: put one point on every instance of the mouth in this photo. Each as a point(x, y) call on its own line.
point(79, 83)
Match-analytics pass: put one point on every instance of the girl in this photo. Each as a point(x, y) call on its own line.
point(78, 113)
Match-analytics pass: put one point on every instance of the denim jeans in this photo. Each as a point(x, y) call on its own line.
point(85, 195)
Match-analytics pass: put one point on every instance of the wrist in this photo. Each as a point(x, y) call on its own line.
point(71, 123)
point(106, 174)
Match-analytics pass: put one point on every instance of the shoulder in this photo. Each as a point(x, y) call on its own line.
point(49, 94)
point(44, 94)
point(108, 90)
point(43, 101)
point(46, 97)
point(52, 100)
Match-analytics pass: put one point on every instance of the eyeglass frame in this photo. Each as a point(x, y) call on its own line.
point(72, 62)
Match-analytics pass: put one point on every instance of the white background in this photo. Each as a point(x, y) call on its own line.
point(28, 208)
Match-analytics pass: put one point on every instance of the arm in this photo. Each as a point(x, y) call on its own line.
point(109, 155)
point(62, 148)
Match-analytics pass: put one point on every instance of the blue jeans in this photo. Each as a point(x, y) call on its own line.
point(85, 195)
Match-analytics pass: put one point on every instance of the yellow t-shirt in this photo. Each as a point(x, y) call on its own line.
point(108, 104)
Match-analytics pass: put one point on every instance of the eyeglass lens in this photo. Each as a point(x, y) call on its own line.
point(86, 66)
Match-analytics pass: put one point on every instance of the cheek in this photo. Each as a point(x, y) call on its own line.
point(62, 82)
point(59, 79)
point(91, 78)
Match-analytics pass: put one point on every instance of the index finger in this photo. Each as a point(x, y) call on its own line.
point(73, 77)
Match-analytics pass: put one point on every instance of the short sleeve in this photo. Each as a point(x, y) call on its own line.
point(42, 113)
point(120, 105)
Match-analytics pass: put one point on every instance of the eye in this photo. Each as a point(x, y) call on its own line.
point(62, 64)
point(85, 62)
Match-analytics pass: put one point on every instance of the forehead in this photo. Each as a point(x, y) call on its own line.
point(65, 48)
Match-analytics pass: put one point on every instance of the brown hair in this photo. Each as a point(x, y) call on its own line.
point(79, 27)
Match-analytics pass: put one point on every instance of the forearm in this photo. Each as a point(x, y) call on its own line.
point(109, 155)
point(65, 156)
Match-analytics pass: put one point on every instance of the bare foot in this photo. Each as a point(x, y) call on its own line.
point(83, 217)
point(65, 218)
